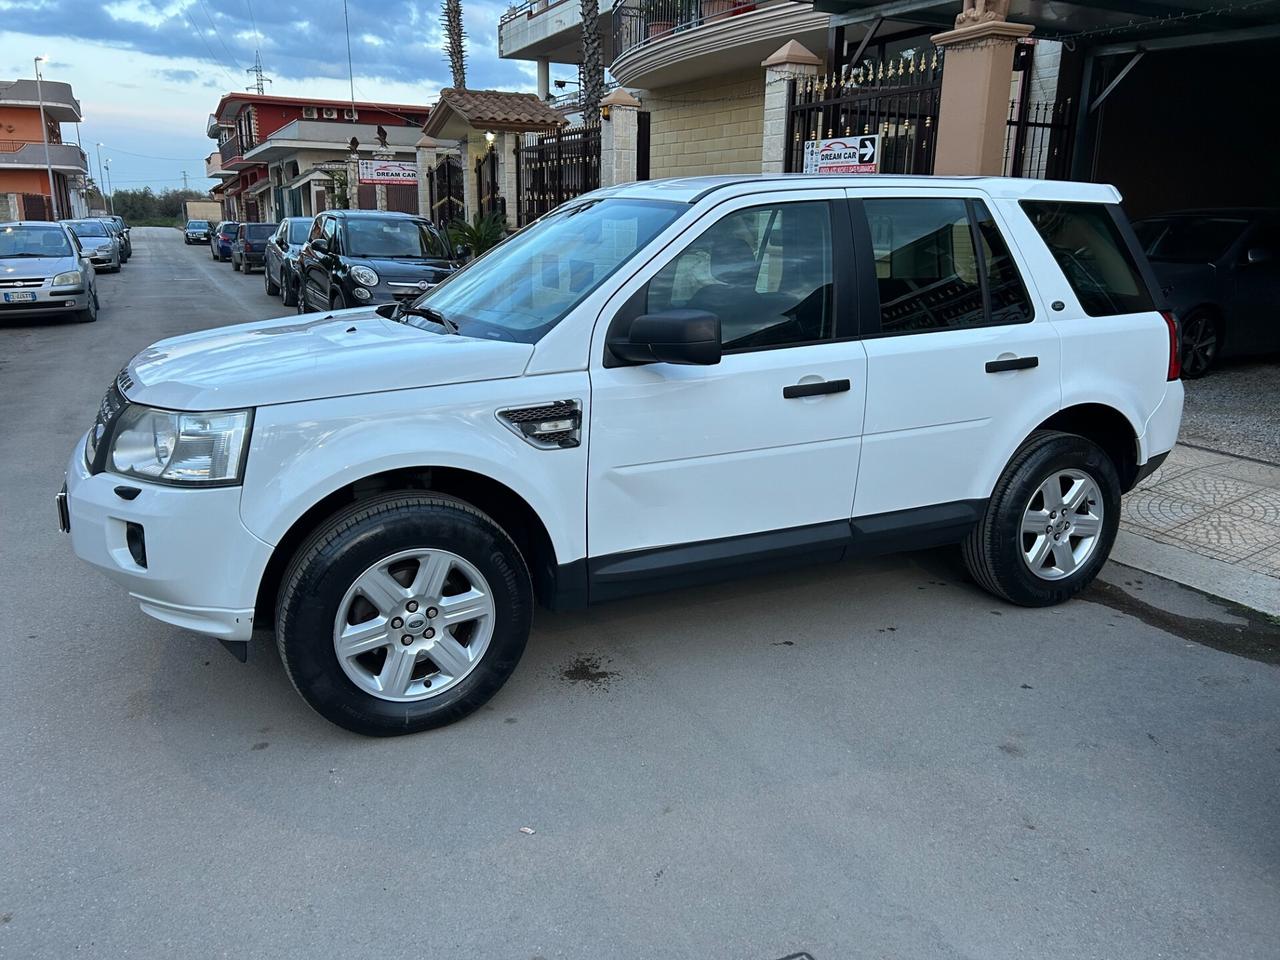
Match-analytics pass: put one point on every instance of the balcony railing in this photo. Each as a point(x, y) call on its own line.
point(638, 22)
point(229, 149)
point(24, 153)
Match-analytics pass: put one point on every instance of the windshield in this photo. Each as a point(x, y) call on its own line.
point(393, 237)
point(30, 240)
point(1188, 239)
point(88, 228)
point(298, 230)
point(197, 224)
point(526, 285)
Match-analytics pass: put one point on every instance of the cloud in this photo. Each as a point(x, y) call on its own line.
point(395, 40)
point(178, 76)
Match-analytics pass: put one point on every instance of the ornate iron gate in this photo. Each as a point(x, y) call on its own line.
point(402, 197)
point(896, 98)
point(488, 190)
point(444, 191)
point(1038, 139)
point(554, 167)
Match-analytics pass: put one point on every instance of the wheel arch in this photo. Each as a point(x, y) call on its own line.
point(508, 509)
point(1108, 428)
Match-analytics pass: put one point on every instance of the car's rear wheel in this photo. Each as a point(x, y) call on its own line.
point(403, 613)
point(1050, 523)
point(1200, 342)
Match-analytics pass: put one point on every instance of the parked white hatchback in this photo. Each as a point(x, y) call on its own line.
point(655, 385)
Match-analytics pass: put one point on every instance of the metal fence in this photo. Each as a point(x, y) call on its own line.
point(637, 22)
point(444, 191)
point(554, 167)
point(896, 98)
point(488, 189)
point(1038, 138)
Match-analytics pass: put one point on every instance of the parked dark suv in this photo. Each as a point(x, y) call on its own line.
point(250, 245)
point(358, 257)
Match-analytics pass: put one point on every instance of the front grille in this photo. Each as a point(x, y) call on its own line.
point(25, 282)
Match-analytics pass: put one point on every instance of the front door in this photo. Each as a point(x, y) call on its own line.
point(1254, 325)
point(761, 447)
point(961, 359)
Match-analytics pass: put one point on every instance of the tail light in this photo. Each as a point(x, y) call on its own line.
point(1175, 349)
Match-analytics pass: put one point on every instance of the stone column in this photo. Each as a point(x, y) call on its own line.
point(380, 190)
point(973, 114)
point(544, 77)
point(618, 137)
point(506, 147)
point(428, 154)
point(790, 61)
point(471, 148)
point(353, 182)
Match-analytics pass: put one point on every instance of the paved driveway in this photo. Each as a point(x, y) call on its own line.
point(874, 760)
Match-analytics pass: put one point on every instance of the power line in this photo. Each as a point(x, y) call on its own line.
point(147, 156)
point(205, 40)
point(254, 20)
point(218, 33)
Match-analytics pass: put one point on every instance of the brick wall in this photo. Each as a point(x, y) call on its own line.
point(706, 127)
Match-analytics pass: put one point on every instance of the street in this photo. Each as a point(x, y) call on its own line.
point(869, 760)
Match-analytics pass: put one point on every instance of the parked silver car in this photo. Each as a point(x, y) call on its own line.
point(44, 272)
point(99, 244)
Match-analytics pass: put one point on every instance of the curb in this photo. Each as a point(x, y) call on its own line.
point(1251, 589)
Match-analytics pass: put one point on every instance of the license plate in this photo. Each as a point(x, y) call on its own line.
point(64, 515)
point(19, 298)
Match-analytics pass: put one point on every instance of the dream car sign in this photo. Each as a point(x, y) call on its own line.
point(843, 155)
point(388, 171)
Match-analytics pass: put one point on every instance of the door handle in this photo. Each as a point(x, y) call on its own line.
point(814, 389)
point(1012, 363)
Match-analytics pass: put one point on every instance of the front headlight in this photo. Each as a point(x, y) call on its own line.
point(364, 275)
point(105, 247)
point(181, 447)
point(72, 278)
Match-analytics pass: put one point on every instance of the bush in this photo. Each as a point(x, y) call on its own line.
point(483, 232)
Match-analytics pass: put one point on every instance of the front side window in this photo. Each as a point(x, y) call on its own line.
point(522, 288)
point(1093, 255)
point(32, 240)
point(932, 274)
point(766, 272)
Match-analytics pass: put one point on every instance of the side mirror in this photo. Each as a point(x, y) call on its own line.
point(462, 251)
point(319, 245)
point(672, 336)
point(1258, 255)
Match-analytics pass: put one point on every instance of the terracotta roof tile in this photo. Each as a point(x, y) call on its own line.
point(496, 108)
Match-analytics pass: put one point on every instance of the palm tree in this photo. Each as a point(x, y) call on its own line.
point(454, 40)
point(592, 60)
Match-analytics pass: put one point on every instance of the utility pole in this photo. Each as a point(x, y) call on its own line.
point(111, 194)
point(256, 72)
point(184, 180)
point(102, 182)
point(44, 133)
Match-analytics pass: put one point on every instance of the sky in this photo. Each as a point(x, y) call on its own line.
point(149, 72)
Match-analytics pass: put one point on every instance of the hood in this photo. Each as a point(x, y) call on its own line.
point(22, 268)
point(295, 358)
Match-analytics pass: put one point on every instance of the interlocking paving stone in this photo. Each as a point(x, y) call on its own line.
point(1265, 561)
point(1206, 486)
point(1254, 472)
point(1262, 505)
point(1154, 510)
point(1226, 536)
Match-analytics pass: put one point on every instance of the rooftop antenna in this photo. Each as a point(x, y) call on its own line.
point(256, 72)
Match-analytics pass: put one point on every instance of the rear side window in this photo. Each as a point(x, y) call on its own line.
point(942, 263)
point(1093, 255)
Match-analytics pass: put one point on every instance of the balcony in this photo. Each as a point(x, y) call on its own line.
point(331, 135)
point(22, 155)
point(59, 104)
point(213, 167)
point(537, 29)
point(664, 42)
point(230, 153)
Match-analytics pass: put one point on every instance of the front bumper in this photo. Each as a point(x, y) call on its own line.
point(202, 566)
point(48, 301)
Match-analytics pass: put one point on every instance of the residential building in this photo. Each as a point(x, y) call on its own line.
point(24, 173)
point(293, 156)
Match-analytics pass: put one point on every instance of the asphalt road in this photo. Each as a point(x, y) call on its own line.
point(869, 761)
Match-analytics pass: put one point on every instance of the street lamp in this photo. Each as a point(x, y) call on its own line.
point(44, 133)
point(102, 183)
point(111, 194)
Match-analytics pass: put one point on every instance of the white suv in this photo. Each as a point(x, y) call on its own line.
point(656, 385)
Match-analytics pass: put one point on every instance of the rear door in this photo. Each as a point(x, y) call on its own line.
point(960, 353)
point(759, 451)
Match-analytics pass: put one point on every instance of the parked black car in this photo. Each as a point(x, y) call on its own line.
point(357, 257)
point(280, 267)
point(197, 231)
point(1220, 271)
point(223, 236)
point(250, 245)
point(124, 231)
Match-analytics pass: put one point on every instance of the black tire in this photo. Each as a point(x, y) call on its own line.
point(327, 564)
point(1200, 341)
point(272, 288)
point(88, 315)
point(288, 290)
point(235, 264)
point(993, 551)
point(186, 242)
point(337, 300)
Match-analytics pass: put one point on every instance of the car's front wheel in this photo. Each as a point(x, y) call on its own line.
point(288, 289)
point(235, 264)
point(402, 613)
point(273, 288)
point(1050, 523)
point(337, 300)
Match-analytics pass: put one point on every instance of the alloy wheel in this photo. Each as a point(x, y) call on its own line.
point(1199, 344)
point(1062, 524)
point(414, 625)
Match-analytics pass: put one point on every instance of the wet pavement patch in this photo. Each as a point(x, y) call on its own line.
point(588, 669)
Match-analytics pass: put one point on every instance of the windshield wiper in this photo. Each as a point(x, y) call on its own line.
point(427, 313)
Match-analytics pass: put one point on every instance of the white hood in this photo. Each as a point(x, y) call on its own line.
point(310, 357)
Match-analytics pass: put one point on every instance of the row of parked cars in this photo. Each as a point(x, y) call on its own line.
point(338, 258)
point(49, 269)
